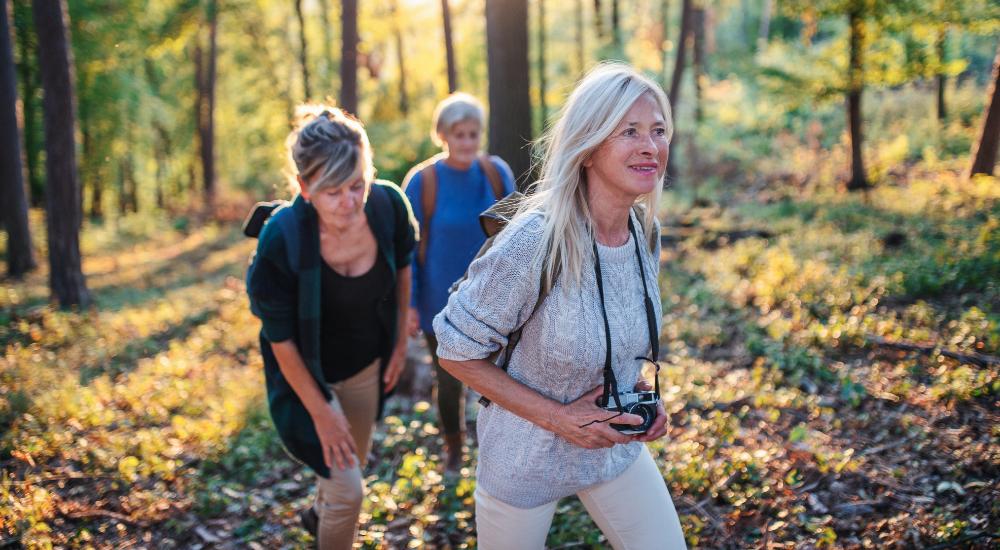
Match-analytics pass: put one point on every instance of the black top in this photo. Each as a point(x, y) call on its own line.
point(351, 334)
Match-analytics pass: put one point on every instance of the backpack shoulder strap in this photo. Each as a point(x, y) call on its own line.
point(287, 222)
point(386, 214)
point(428, 201)
point(492, 175)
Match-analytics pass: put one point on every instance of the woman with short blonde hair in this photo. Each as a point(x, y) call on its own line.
point(575, 275)
point(331, 284)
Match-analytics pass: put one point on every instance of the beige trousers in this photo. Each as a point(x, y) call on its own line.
point(338, 499)
point(634, 511)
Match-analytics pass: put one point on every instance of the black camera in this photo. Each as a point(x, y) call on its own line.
point(639, 403)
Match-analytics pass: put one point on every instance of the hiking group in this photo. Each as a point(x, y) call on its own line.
point(548, 307)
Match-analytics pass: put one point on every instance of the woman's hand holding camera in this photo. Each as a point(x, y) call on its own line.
point(584, 424)
point(335, 437)
point(659, 427)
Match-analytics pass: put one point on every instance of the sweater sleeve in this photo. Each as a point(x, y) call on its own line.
point(496, 298)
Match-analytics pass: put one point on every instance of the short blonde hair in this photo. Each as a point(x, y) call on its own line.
point(327, 148)
point(457, 107)
point(594, 109)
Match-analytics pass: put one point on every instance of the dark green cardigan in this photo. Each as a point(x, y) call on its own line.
point(288, 303)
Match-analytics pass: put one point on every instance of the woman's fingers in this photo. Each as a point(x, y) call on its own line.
point(327, 456)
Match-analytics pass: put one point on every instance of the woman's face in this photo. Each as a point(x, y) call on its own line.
point(462, 142)
point(632, 160)
point(340, 206)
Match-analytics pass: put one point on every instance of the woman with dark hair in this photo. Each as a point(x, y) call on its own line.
point(331, 283)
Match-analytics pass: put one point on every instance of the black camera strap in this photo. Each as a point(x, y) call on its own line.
point(610, 382)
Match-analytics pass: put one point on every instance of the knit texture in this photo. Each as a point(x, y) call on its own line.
point(454, 235)
point(560, 355)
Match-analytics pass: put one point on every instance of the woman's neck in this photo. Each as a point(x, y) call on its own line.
point(609, 214)
point(456, 164)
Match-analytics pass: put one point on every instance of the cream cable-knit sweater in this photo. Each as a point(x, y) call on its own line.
point(560, 355)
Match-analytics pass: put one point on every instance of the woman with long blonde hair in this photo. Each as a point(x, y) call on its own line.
point(574, 274)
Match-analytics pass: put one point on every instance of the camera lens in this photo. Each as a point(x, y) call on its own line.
point(643, 410)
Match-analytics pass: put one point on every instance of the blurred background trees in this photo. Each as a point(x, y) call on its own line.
point(183, 105)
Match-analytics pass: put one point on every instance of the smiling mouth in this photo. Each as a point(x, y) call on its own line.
point(644, 168)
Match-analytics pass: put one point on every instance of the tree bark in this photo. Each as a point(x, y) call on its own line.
point(764, 30)
point(14, 212)
point(675, 82)
point(984, 157)
point(349, 56)
point(303, 50)
point(449, 48)
point(855, 88)
point(542, 85)
point(205, 76)
point(62, 189)
point(697, 38)
point(27, 51)
point(599, 20)
point(324, 17)
point(942, 79)
point(404, 99)
point(510, 106)
point(616, 33)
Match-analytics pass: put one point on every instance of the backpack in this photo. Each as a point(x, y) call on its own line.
point(428, 194)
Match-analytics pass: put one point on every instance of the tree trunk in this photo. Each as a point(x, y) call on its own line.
point(449, 48)
point(942, 79)
point(404, 99)
point(510, 106)
point(62, 189)
point(599, 20)
point(675, 82)
point(30, 112)
point(855, 87)
point(764, 30)
point(698, 59)
point(581, 64)
point(208, 107)
point(349, 56)
point(303, 50)
point(324, 17)
point(616, 33)
point(542, 85)
point(14, 212)
point(985, 154)
point(665, 22)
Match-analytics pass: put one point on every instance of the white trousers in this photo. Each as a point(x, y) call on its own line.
point(634, 511)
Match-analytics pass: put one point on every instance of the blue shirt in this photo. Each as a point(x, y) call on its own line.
point(454, 235)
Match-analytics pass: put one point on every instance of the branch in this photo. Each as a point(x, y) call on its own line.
point(980, 359)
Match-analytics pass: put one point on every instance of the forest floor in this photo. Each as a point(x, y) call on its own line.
point(799, 416)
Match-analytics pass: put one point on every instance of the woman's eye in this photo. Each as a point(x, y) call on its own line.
point(660, 132)
point(629, 132)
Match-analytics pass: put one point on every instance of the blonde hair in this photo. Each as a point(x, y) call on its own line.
point(593, 111)
point(327, 148)
point(457, 107)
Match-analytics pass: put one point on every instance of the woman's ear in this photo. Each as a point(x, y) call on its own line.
point(303, 188)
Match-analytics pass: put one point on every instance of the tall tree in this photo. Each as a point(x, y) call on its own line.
point(542, 85)
point(349, 56)
point(697, 40)
point(616, 32)
point(62, 189)
point(855, 87)
point(324, 18)
point(404, 99)
point(675, 81)
point(31, 110)
point(510, 106)
point(942, 76)
point(599, 20)
point(449, 48)
point(984, 157)
point(303, 49)
point(664, 25)
point(764, 30)
point(206, 79)
point(14, 213)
